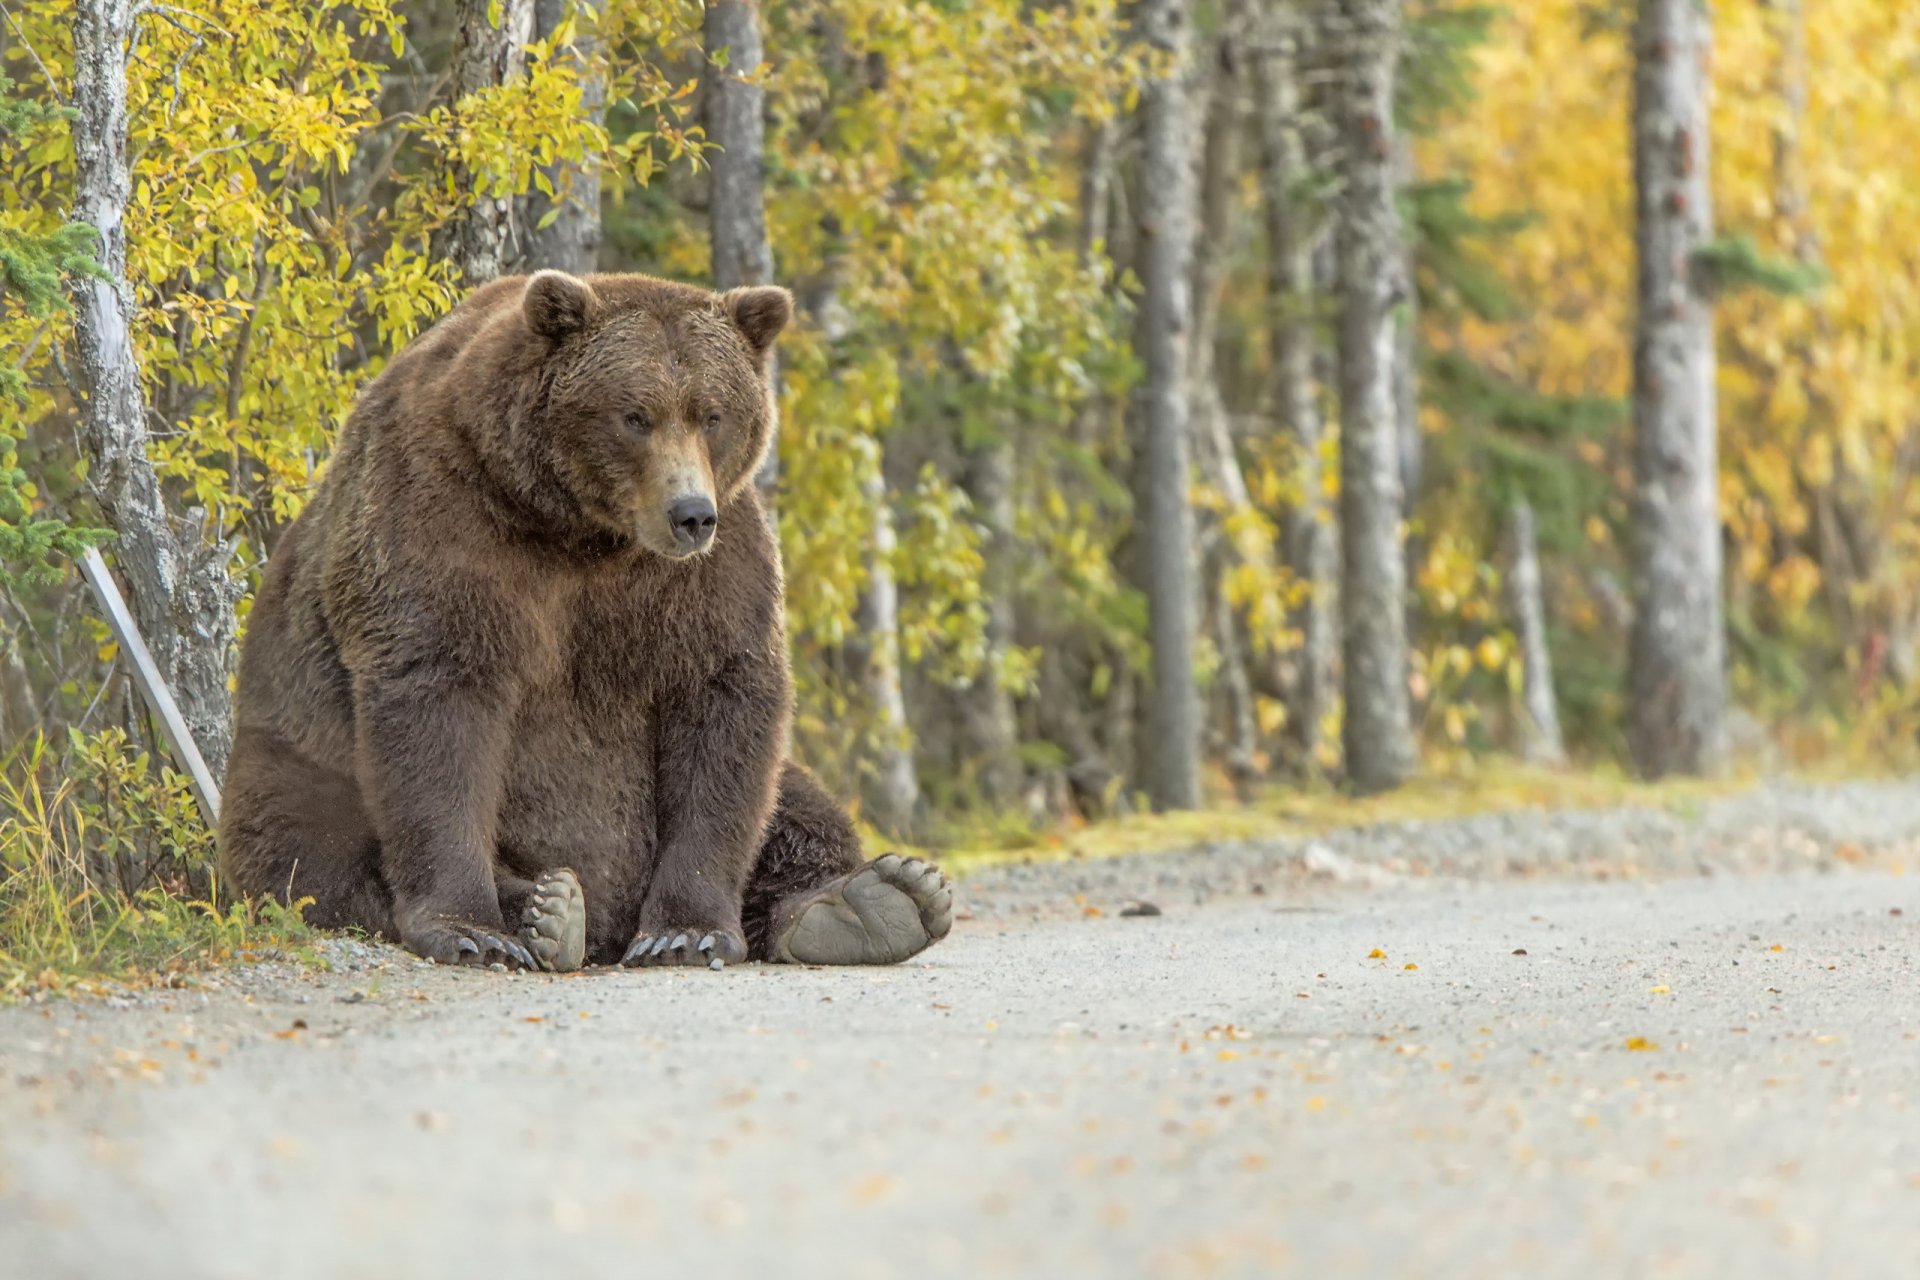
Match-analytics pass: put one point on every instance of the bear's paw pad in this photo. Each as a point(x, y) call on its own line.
point(881, 913)
point(554, 925)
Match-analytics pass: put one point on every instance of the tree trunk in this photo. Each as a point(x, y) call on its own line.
point(478, 240)
point(1406, 355)
point(1170, 750)
point(1540, 740)
point(989, 732)
point(1290, 290)
point(892, 790)
point(1677, 688)
point(1378, 736)
point(182, 595)
point(1215, 456)
point(18, 715)
point(736, 121)
point(571, 242)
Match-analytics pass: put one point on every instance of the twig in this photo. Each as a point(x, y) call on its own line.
point(173, 15)
point(53, 86)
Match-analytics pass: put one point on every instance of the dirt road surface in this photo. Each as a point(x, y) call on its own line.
point(1321, 1059)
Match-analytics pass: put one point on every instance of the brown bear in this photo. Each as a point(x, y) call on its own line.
point(515, 688)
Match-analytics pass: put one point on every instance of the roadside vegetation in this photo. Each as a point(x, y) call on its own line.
point(107, 875)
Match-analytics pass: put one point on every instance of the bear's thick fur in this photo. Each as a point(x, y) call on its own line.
point(515, 687)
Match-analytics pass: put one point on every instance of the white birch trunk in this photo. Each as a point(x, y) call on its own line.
point(571, 242)
point(1540, 739)
point(182, 595)
point(736, 121)
point(479, 239)
point(1378, 737)
point(893, 791)
point(1170, 750)
point(989, 729)
point(1311, 550)
point(1677, 682)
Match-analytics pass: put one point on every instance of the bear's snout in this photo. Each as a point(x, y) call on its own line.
point(693, 520)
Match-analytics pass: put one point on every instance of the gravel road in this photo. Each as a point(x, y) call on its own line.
point(1541, 1045)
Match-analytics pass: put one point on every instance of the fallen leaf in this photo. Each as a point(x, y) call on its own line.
point(1640, 1044)
point(1376, 954)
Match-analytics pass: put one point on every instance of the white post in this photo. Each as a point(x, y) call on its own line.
point(147, 673)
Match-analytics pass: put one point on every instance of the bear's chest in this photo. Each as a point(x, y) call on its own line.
point(632, 650)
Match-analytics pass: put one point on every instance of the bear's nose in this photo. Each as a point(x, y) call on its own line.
point(693, 521)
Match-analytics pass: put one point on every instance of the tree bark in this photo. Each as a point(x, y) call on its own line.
point(893, 790)
point(890, 787)
point(1291, 298)
point(1406, 354)
point(182, 595)
point(1170, 750)
point(1677, 685)
point(1540, 740)
point(736, 121)
point(571, 242)
point(1215, 456)
point(1380, 751)
point(478, 240)
point(989, 731)
point(18, 715)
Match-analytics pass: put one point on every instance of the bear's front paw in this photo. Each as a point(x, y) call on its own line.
point(715, 948)
point(452, 942)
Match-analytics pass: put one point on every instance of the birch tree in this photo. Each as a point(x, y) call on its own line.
point(1378, 736)
point(988, 729)
point(736, 122)
point(570, 239)
point(182, 595)
point(1236, 533)
point(1170, 750)
point(490, 49)
point(1291, 302)
point(1540, 738)
point(1677, 678)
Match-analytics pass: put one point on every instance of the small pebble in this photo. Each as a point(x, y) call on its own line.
point(1140, 909)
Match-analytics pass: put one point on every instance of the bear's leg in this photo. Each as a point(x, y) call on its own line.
point(813, 901)
point(291, 829)
point(550, 914)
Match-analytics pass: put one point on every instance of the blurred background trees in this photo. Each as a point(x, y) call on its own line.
point(1187, 396)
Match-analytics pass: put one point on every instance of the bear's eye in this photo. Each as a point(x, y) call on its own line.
point(713, 422)
point(638, 421)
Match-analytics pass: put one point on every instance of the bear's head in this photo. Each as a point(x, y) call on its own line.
point(658, 408)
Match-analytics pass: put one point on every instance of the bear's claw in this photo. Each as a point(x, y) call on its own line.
point(715, 948)
point(448, 942)
point(554, 924)
point(880, 913)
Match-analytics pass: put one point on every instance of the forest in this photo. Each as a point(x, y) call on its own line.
point(1189, 401)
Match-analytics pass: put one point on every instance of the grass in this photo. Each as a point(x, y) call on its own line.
point(1456, 788)
point(106, 876)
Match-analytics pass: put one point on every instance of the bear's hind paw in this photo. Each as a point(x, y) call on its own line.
point(554, 925)
point(882, 913)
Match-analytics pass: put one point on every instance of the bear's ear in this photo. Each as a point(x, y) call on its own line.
point(759, 312)
point(556, 304)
